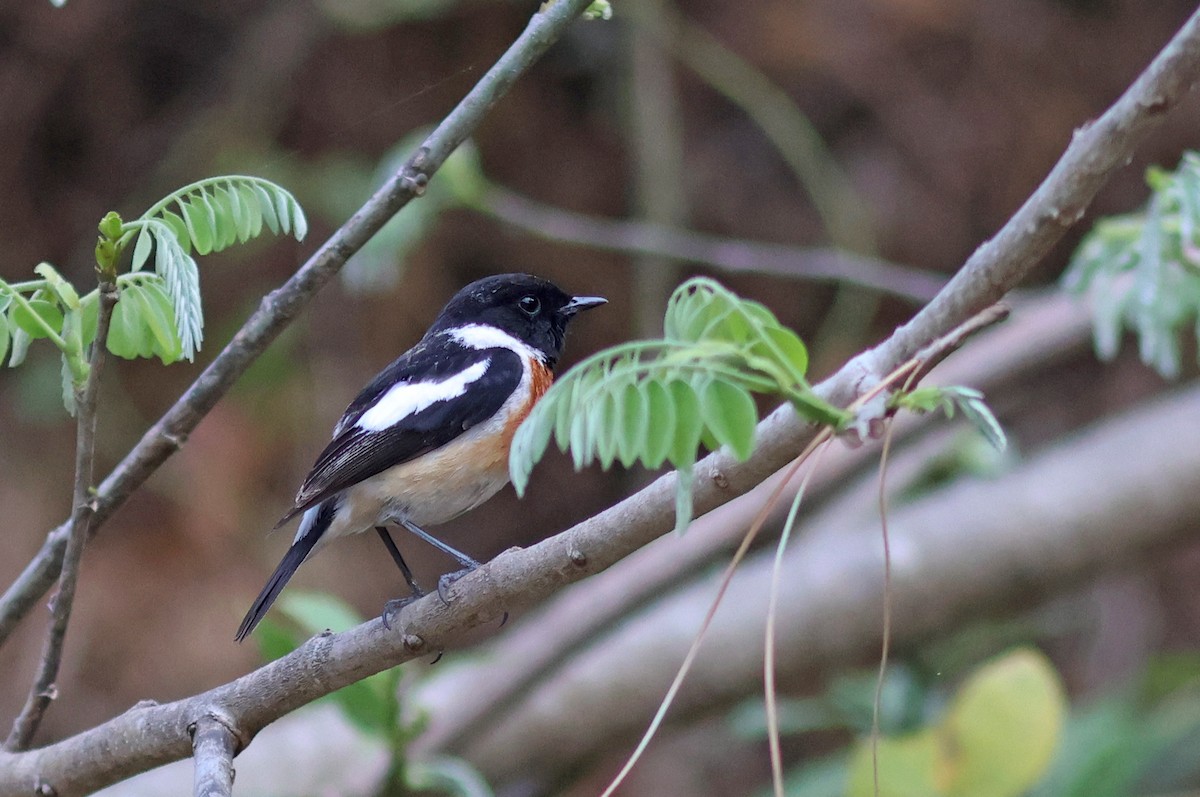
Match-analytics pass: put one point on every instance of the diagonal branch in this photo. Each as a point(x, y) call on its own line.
point(43, 690)
point(281, 306)
point(147, 736)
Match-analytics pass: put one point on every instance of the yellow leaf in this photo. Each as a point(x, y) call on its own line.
point(906, 767)
point(1003, 728)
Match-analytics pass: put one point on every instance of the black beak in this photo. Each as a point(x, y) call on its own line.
point(581, 303)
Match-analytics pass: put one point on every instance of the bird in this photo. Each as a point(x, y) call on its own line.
point(428, 438)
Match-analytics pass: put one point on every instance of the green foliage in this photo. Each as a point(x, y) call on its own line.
point(600, 9)
point(968, 400)
point(997, 738)
point(656, 401)
point(207, 216)
point(373, 704)
point(158, 314)
point(1141, 271)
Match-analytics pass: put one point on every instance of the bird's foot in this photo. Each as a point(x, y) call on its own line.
point(392, 608)
point(445, 582)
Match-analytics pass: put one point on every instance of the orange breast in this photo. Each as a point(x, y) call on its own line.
point(540, 378)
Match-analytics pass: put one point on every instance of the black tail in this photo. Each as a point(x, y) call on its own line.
point(279, 579)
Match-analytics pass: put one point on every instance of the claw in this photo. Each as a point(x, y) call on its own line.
point(448, 579)
point(393, 607)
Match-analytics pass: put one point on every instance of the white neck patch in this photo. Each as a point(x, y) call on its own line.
point(408, 398)
point(482, 336)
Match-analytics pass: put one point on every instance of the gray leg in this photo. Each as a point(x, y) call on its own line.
point(392, 607)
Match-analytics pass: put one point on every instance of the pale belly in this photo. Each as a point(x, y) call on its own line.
point(430, 490)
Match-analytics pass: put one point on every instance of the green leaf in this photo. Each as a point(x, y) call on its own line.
point(660, 412)
point(89, 311)
point(62, 289)
point(4, 337)
point(199, 230)
point(224, 228)
point(68, 385)
point(529, 444)
point(251, 221)
point(282, 208)
point(159, 319)
point(181, 278)
point(730, 414)
point(179, 227)
point(792, 353)
point(633, 426)
point(128, 336)
point(688, 424)
point(34, 319)
point(267, 206)
point(141, 250)
point(20, 345)
point(685, 478)
point(1141, 271)
point(604, 416)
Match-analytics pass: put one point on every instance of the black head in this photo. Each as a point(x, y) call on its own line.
point(533, 310)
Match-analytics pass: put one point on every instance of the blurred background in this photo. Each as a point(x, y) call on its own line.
point(853, 134)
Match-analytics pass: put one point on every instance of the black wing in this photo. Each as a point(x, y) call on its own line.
point(356, 453)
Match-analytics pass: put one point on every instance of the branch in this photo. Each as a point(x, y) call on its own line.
point(152, 735)
point(44, 690)
point(280, 307)
point(727, 254)
point(213, 746)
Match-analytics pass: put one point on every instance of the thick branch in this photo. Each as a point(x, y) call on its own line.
point(44, 690)
point(280, 307)
point(148, 736)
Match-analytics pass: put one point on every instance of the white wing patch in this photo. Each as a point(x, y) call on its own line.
point(483, 336)
point(408, 398)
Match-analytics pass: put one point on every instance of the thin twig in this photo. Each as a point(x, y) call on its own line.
point(213, 747)
point(44, 689)
point(279, 308)
point(727, 254)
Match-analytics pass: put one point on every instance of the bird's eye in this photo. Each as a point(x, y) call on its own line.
point(529, 305)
